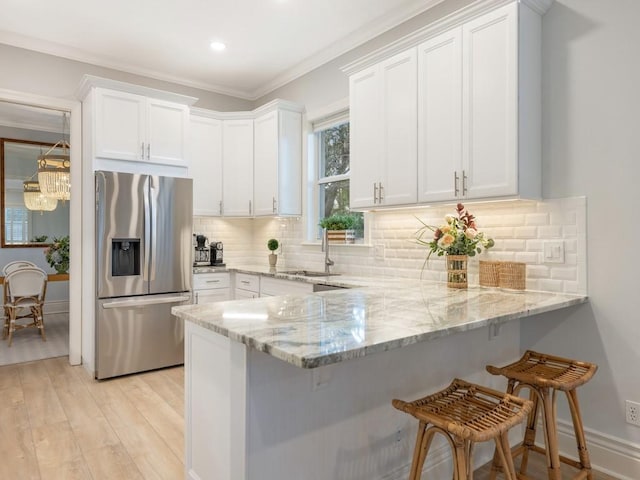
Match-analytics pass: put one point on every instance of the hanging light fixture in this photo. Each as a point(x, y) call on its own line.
point(54, 173)
point(34, 199)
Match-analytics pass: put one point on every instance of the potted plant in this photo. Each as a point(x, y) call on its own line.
point(272, 245)
point(340, 227)
point(57, 254)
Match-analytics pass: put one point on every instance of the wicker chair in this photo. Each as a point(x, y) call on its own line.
point(24, 293)
point(545, 375)
point(465, 413)
point(15, 265)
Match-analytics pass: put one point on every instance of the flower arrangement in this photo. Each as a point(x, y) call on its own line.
point(459, 235)
point(57, 254)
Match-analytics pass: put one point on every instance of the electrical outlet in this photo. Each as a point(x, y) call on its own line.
point(632, 412)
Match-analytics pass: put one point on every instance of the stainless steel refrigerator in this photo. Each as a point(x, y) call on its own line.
point(143, 265)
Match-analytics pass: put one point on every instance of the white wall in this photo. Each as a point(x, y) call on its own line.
point(42, 74)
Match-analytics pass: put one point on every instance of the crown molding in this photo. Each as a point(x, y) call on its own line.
point(277, 104)
point(28, 126)
point(89, 82)
point(452, 20)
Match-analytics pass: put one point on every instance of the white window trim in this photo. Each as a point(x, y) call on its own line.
point(321, 119)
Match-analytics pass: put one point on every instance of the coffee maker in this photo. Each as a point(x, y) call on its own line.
point(216, 254)
point(202, 254)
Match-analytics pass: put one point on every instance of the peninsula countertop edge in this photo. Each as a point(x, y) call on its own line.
point(376, 314)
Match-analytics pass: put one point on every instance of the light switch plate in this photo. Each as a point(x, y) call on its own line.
point(553, 251)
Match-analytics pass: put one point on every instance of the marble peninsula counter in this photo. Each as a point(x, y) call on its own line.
point(329, 327)
point(300, 386)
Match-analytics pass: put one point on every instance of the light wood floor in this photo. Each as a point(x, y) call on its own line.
point(56, 422)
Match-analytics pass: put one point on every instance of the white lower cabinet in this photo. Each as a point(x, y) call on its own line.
point(271, 287)
point(211, 287)
point(246, 286)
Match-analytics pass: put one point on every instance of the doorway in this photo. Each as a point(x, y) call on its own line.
point(40, 119)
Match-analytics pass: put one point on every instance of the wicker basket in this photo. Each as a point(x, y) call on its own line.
point(489, 273)
point(513, 275)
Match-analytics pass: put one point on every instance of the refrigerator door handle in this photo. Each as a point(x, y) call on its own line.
point(147, 230)
point(145, 301)
point(154, 229)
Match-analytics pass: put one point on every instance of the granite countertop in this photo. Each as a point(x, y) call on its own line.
point(378, 314)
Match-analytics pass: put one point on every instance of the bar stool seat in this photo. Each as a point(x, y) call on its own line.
point(544, 375)
point(465, 413)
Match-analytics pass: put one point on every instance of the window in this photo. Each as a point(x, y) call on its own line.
point(333, 173)
point(16, 224)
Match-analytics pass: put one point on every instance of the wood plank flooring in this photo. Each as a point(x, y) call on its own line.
point(56, 422)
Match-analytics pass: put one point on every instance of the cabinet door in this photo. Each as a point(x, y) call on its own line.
point(242, 294)
point(365, 137)
point(205, 165)
point(167, 125)
point(440, 117)
point(265, 163)
point(490, 63)
point(211, 296)
point(237, 167)
point(119, 125)
point(399, 131)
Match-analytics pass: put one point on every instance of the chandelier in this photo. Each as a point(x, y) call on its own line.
point(34, 199)
point(54, 173)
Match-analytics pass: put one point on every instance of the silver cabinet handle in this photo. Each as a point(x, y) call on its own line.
point(380, 192)
point(464, 183)
point(249, 207)
point(142, 151)
point(220, 207)
point(456, 190)
point(245, 282)
point(212, 281)
point(197, 298)
point(274, 205)
point(375, 192)
point(148, 151)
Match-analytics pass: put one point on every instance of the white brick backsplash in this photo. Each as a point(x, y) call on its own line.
point(536, 219)
point(526, 232)
point(550, 231)
point(518, 228)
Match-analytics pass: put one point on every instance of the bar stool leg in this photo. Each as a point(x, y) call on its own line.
point(576, 417)
point(529, 440)
point(12, 324)
point(551, 435)
point(460, 465)
point(423, 443)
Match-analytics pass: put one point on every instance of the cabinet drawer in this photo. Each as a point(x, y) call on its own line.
point(210, 280)
point(212, 295)
point(248, 282)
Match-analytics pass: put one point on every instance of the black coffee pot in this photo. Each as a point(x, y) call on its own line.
point(201, 241)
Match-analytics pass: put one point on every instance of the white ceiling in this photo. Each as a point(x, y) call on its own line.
point(269, 42)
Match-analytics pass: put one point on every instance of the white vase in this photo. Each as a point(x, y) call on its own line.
point(273, 259)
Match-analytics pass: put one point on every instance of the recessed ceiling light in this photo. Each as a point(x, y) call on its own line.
point(218, 46)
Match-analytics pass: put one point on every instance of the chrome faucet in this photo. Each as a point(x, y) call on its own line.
point(325, 248)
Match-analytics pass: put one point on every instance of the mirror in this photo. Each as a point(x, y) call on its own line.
point(22, 227)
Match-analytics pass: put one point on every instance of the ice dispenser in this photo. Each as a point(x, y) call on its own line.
point(125, 257)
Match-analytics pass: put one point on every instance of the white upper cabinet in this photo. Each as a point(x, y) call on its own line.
point(205, 164)
point(490, 104)
point(364, 136)
point(440, 117)
point(478, 119)
point(383, 126)
point(133, 127)
point(278, 163)
point(237, 167)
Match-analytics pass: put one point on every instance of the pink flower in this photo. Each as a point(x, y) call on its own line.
point(470, 233)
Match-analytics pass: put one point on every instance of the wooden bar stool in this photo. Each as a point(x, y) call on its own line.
point(545, 375)
point(465, 413)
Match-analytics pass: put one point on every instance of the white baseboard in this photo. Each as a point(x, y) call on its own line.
point(611, 455)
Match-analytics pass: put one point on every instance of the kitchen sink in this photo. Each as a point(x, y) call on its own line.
point(309, 273)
